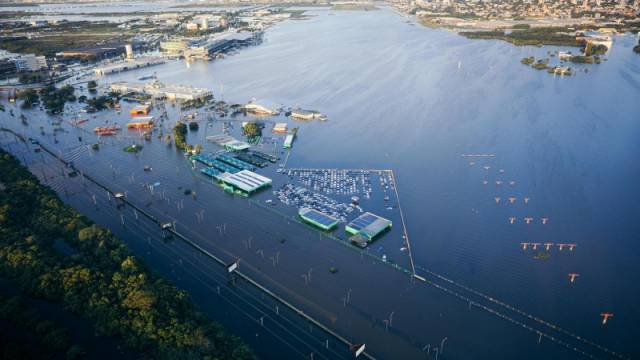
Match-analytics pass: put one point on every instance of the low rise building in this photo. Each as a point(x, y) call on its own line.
point(157, 89)
point(30, 63)
point(175, 47)
point(140, 110)
point(141, 122)
point(7, 68)
point(130, 64)
point(100, 52)
point(302, 114)
point(368, 225)
point(262, 108)
point(192, 27)
point(244, 181)
point(317, 218)
point(280, 128)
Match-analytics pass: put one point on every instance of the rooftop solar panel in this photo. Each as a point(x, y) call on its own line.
point(369, 225)
point(224, 167)
point(318, 217)
point(211, 172)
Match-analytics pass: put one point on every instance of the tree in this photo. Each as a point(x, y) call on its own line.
point(92, 85)
point(75, 352)
point(99, 103)
point(193, 126)
point(252, 129)
point(28, 97)
point(179, 133)
point(57, 339)
point(101, 281)
point(54, 99)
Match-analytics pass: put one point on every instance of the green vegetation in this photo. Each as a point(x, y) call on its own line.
point(92, 85)
point(521, 26)
point(32, 77)
point(133, 148)
point(28, 97)
point(49, 45)
point(99, 103)
point(252, 130)
point(52, 340)
point(528, 60)
point(54, 98)
point(65, 36)
point(540, 65)
point(101, 279)
point(179, 136)
point(190, 104)
point(535, 36)
point(595, 50)
point(193, 126)
point(636, 48)
point(579, 59)
point(543, 255)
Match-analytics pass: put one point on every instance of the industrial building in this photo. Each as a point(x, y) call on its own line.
point(175, 47)
point(317, 218)
point(30, 63)
point(97, 52)
point(228, 142)
point(368, 226)
point(240, 164)
point(157, 89)
point(128, 65)
point(288, 141)
point(208, 47)
point(280, 128)
point(301, 114)
point(140, 110)
point(142, 122)
point(246, 181)
point(7, 67)
point(262, 108)
point(219, 43)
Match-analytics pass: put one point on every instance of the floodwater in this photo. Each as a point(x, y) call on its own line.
point(402, 97)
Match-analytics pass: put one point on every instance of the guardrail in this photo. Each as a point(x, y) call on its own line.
point(200, 249)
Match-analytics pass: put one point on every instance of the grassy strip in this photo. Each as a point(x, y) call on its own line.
point(102, 280)
point(538, 36)
point(50, 45)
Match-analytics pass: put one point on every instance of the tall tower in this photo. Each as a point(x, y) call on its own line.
point(205, 23)
point(129, 51)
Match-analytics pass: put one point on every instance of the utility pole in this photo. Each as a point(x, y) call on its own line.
point(442, 345)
